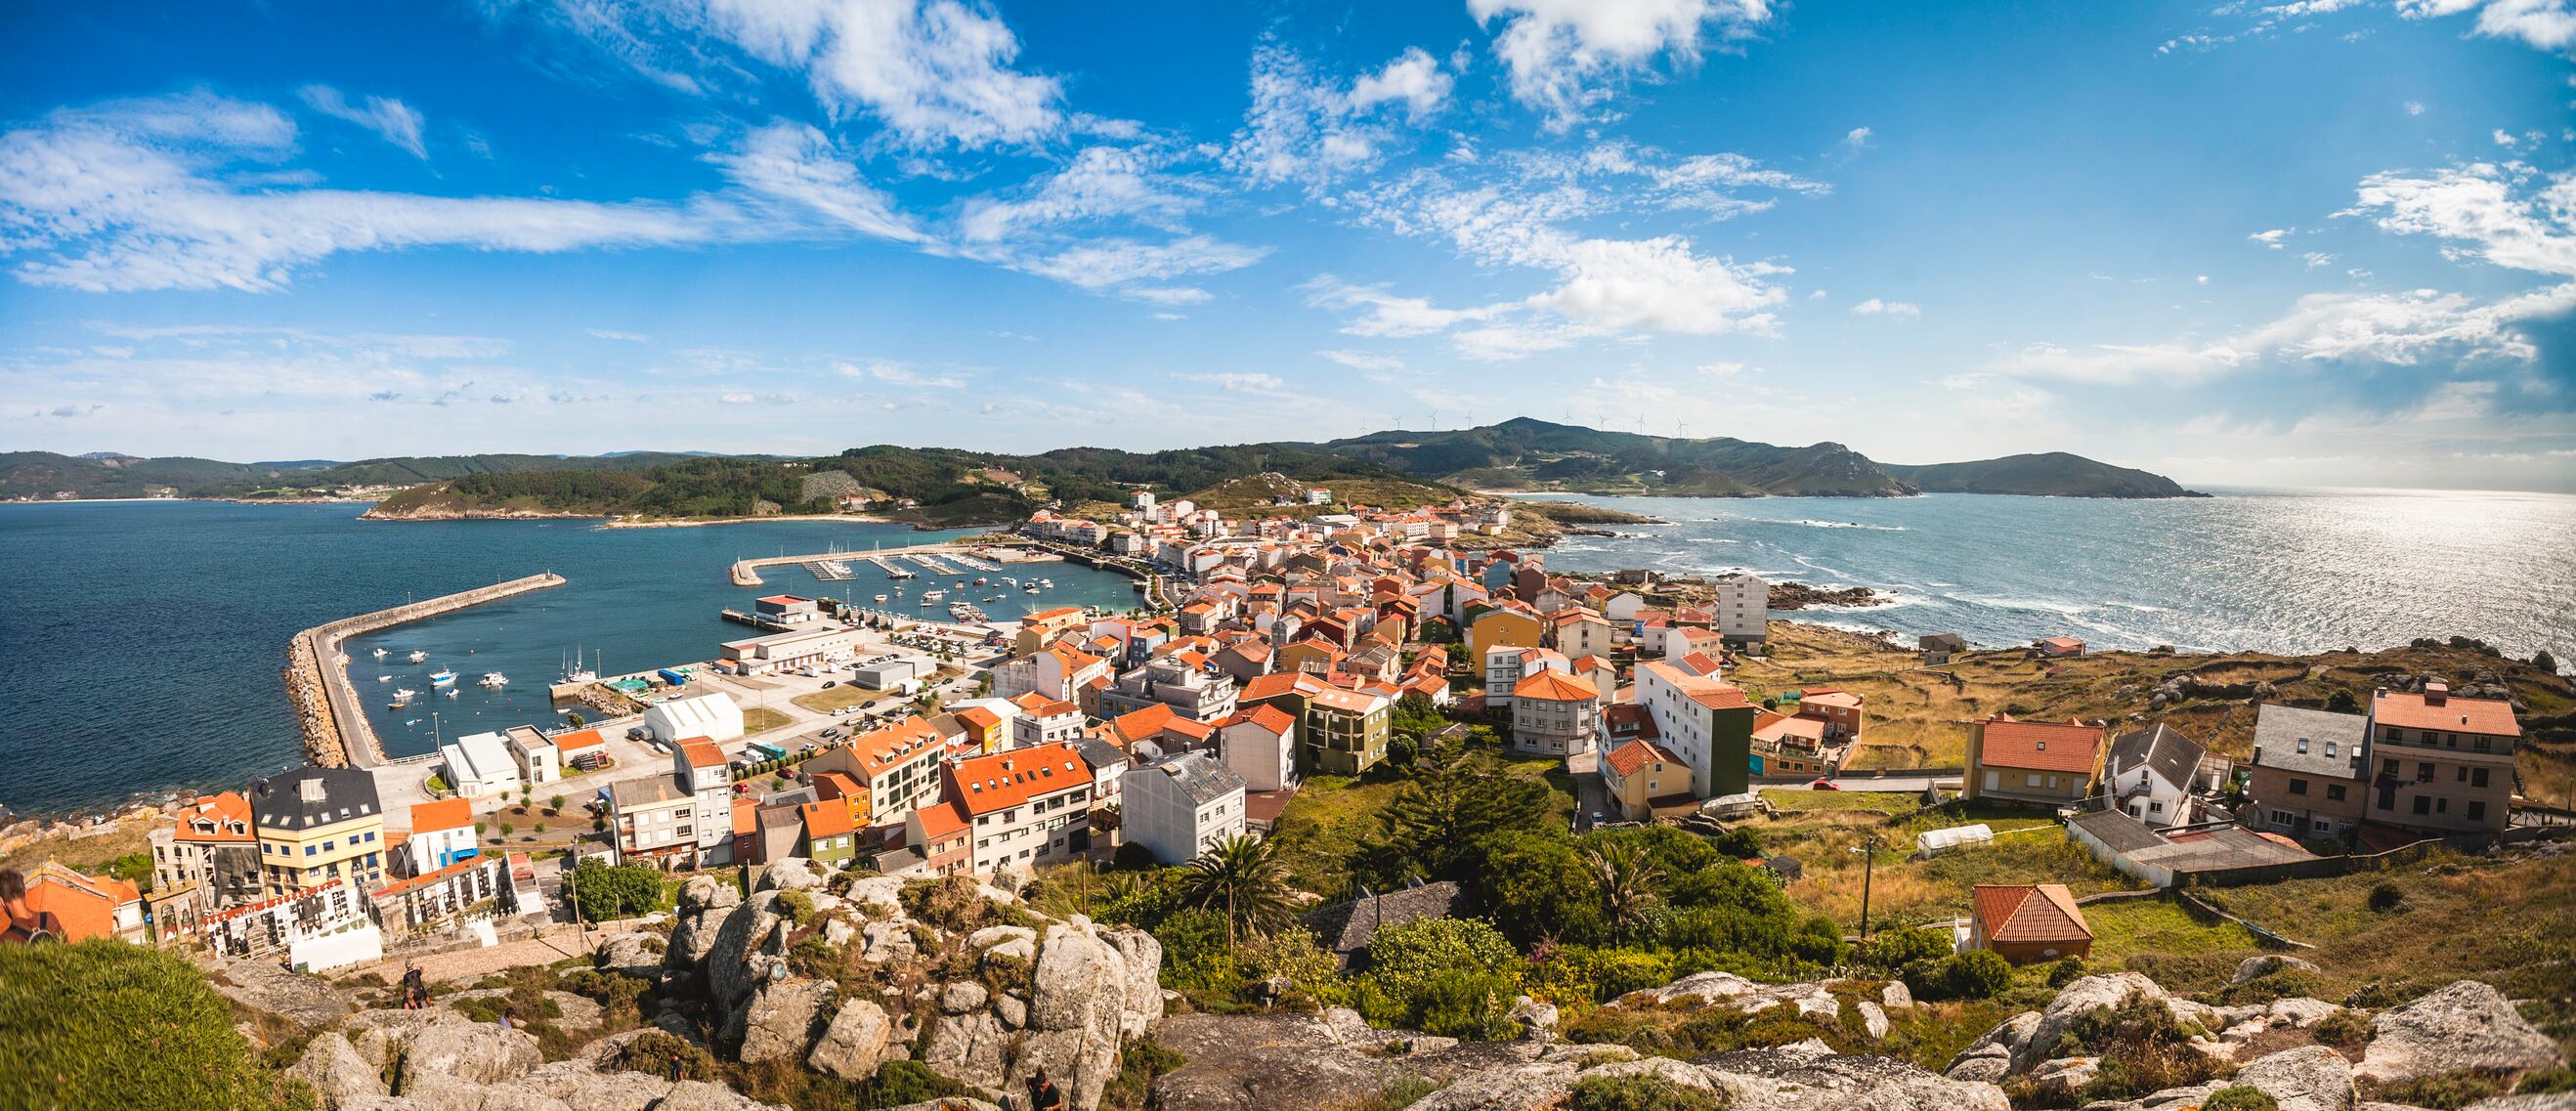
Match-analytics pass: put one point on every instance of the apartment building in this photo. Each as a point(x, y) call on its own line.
point(1555, 714)
point(1742, 609)
point(210, 852)
point(1026, 807)
point(897, 767)
point(2309, 772)
point(1705, 722)
point(1179, 806)
point(656, 821)
point(2442, 764)
point(316, 825)
point(1200, 694)
point(701, 770)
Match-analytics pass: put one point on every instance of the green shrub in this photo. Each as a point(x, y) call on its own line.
point(1975, 974)
point(2280, 983)
point(1641, 1092)
point(1894, 949)
point(666, 1055)
point(1405, 958)
point(606, 892)
point(1138, 1064)
point(2346, 1027)
point(2143, 1049)
point(2447, 1091)
point(796, 907)
point(2386, 897)
point(901, 1082)
point(2546, 1082)
point(103, 1024)
point(2240, 1097)
point(1464, 1004)
point(2065, 972)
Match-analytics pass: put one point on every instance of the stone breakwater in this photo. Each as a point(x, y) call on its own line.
point(336, 733)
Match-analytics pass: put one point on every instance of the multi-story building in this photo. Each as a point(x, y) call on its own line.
point(210, 852)
point(2151, 773)
point(1644, 779)
point(701, 770)
point(1581, 632)
point(1555, 714)
point(1339, 732)
point(1043, 721)
point(2032, 761)
point(1742, 609)
point(316, 825)
point(1178, 806)
point(442, 833)
point(1840, 710)
point(2309, 774)
point(2443, 764)
point(1260, 745)
point(1026, 807)
point(1705, 722)
point(473, 887)
point(830, 838)
point(1057, 671)
point(1200, 694)
point(897, 767)
point(656, 820)
point(792, 651)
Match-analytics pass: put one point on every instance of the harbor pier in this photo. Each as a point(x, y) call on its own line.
point(336, 733)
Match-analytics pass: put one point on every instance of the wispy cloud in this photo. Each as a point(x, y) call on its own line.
point(1876, 307)
point(1562, 55)
point(391, 120)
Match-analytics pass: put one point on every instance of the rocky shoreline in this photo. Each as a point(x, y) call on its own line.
point(1798, 596)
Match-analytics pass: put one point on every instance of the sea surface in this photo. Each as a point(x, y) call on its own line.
point(142, 641)
point(2289, 572)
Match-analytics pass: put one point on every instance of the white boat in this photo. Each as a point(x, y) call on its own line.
point(1032, 588)
point(383, 678)
point(1047, 583)
point(933, 595)
point(453, 692)
point(380, 653)
point(442, 678)
point(417, 655)
point(495, 680)
point(881, 599)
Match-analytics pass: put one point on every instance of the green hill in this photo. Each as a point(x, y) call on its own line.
point(2054, 473)
point(45, 474)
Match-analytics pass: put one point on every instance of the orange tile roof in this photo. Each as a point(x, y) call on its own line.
point(1132, 727)
point(427, 878)
point(2026, 912)
point(1554, 686)
point(979, 717)
point(430, 817)
point(2456, 714)
point(2039, 746)
point(879, 750)
point(1630, 758)
point(824, 819)
point(571, 742)
point(1628, 716)
point(746, 815)
point(217, 818)
point(84, 905)
point(1270, 718)
point(1007, 779)
point(1771, 726)
point(702, 753)
point(938, 822)
point(841, 784)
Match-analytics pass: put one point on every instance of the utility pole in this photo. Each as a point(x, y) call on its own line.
point(1869, 861)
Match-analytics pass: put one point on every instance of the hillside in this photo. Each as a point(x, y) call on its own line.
point(1526, 454)
point(2054, 473)
point(39, 475)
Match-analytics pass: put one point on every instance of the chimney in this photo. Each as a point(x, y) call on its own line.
point(2435, 692)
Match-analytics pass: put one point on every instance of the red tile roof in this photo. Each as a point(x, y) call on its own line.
point(1632, 757)
point(1006, 779)
point(702, 753)
point(2456, 714)
point(430, 817)
point(2039, 746)
point(568, 743)
point(2025, 912)
point(85, 905)
point(825, 819)
point(223, 817)
point(1269, 718)
point(1554, 686)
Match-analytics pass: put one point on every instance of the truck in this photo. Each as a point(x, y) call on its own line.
point(674, 677)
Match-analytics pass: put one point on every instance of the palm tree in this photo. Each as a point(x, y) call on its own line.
point(1628, 882)
point(1244, 878)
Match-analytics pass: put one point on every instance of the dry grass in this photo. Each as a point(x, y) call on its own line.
point(1917, 718)
point(88, 854)
point(837, 698)
point(762, 719)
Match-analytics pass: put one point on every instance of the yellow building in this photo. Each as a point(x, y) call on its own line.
point(1498, 627)
point(316, 825)
point(1038, 628)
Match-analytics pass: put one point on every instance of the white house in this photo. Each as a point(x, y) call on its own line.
point(1260, 745)
point(442, 833)
point(538, 759)
point(1180, 805)
point(479, 764)
point(701, 770)
point(713, 716)
point(2149, 774)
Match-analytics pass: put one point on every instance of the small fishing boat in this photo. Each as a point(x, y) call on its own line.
point(1032, 588)
point(383, 678)
point(494, 680)
point(380, 653)
point(417, 655)
point(453, 692)
point(442, 678)
point(881, 599)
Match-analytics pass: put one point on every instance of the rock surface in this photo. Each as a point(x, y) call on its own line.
point(2467, 1025)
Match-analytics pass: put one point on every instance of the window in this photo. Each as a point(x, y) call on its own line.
point(2423, 804)
point(2424, 772)
point(2298, 786)
point(2303, 746)
point(2334, 791)
point(2388, 768)
point(2464, 772)
point(2477, 811)
point(2441, 806)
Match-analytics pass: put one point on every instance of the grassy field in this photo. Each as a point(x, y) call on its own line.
point(2124, 928)
point(837, 698)
point(762, 719)
point(1323, 825)
point(1918, 718)
point(1825, 830)
point(1799, 798)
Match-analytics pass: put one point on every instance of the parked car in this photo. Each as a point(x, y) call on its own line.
point(1823, 785)
point(636, 734)
point(830, 683)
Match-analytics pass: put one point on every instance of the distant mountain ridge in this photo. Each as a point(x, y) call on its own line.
point(44, 474)
point(1528, 454)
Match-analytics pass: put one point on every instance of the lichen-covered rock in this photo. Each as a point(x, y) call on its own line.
point(336, 1072)
point(779, 1023)
point(969, 1048)
point(1801, 1079)
point(1704, 987)
point(1536, 1019)
point(991, 936)
point(476, 1052)
point(1873, 1021)
point(2467, 1025)
point(2309, 1078)
point(1529, 1087)
point(2299, 1011)
point(2062, 1078)
point(1143, 956)
point(633, 953)
point(961, 996)
point(1895, 995)
point(794, 873)
point(2251, 967)
point(886, 941)
point(856, 1042)
point(740, 960)
point(1012, 1010)
point(2077, 999)
point(1990, 1057)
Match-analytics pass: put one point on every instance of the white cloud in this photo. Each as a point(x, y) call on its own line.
point(1661, 284)
point(2414, 107)
point(737, 399)
point(2546, 24)
point(1309, 130)
point(1856, 138)
point(1362, 360)
point(621, 337)
point(1100, 183)
point(392, 120)
point(136, 195)
point(1386, 314)
point(935, 72)
point(1818, 295)
point(1876, 307)
point(898, 374)
point(2318, 260)
point(1559, 52)
point(2474, 204)
point(1119, 264)
point(798, 164)
point(2200, 279)
point(1237, 382)
point(2504, 140)
point(2270, 238)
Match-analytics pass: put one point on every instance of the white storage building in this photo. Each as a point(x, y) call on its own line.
point(712, 716)
point(479, 764)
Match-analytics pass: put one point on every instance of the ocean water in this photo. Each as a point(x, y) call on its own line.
point(142, 641)
point(2277, 571)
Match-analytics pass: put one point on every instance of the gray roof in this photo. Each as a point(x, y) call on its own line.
point(1346, 928)
point(1198, 775)
point(2278, 731)
point(631, 793)
point(1099, 754)
point(344, 794)
point(2169, 754)
point(2215, 849)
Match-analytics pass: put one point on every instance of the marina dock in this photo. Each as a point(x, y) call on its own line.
point(336, 733)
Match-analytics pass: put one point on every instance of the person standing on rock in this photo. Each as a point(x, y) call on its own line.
point(1043, 1094)
point(415, 991)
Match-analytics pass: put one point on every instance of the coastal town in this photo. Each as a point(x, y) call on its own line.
point(1282, 662)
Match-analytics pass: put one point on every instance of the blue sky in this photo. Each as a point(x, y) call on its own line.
point(2319, 243)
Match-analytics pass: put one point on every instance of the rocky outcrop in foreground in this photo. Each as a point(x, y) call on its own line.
point(439, 1060)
